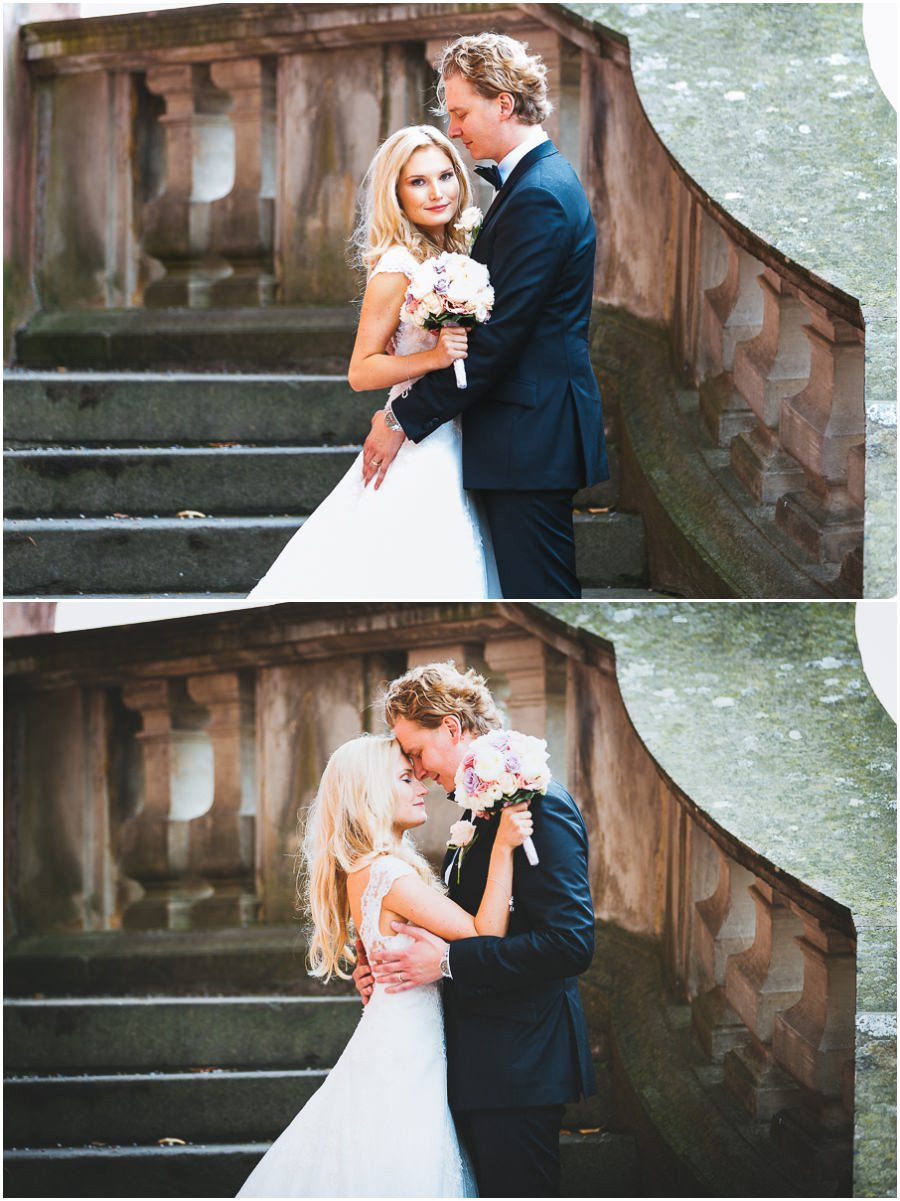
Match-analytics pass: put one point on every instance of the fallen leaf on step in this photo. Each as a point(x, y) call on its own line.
point(589, 1129)
point(223, 444)
point(171, 1142)
point(606, 510)
point(121, 515)
point(62, 370)
point(190, 513)
point(96, 1144)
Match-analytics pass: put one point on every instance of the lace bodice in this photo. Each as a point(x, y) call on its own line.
point(408, 338)
point(382, 874)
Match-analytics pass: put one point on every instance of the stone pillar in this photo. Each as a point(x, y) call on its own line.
point(153, 845)
point(525, 663)
point(820, 426)
point(242, 223)
point(732, 313)
point(724, 927)
point(760, 982)
point(221, 840)
point(334, 108)
point(771, 366)
point(199, 169)
point(535, 676)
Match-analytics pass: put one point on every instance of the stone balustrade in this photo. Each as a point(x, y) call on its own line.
point(195, 746)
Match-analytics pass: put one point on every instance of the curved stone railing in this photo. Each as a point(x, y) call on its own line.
point(767, 871)
point(777, 352)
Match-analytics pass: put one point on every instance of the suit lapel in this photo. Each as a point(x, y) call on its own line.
point(543, 150)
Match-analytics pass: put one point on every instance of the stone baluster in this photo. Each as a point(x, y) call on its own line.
point(242, 223)
point(199, 157)
point(820, 426)
point(732, 313)
point(759, 983)
point(221, 839)
point(769, 367)
point(724, 927)
point(814, 1041)
point(153, 844)
point(534, 696)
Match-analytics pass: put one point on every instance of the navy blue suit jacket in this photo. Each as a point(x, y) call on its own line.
point(531, 416)
point(515, 1028)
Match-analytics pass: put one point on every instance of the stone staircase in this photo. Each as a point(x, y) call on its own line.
point(117, 423)
point(163, 1064)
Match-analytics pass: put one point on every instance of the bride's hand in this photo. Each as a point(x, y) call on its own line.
point(516, 825)
point(452, 344)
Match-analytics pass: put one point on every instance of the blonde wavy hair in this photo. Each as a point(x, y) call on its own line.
point(493, 63)
point(382, 222)
point(433, 691)
point(350, 823)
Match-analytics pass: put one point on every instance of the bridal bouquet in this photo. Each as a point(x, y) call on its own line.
point(451, 289)
point(503, 768)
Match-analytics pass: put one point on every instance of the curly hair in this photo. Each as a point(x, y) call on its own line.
point(433, 691)
point(493, 63)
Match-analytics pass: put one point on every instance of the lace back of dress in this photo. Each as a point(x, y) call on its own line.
point(382, 874)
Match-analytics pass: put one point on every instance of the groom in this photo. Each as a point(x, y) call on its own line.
point(532, 424)
point(517, 1043)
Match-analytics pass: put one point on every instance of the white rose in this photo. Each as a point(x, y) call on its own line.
point(469, 219)
point(508, 783)
point(461, 833)
point(489, 764)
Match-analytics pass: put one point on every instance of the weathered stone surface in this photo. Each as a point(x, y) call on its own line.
point(159, 1033)
point(776, 114)
point(93, 408)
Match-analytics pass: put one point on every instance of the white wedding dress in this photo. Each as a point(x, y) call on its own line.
point(419, 537)
point(380, 1125)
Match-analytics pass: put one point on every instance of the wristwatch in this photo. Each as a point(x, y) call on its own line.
point(390, 420)
point(445, 965)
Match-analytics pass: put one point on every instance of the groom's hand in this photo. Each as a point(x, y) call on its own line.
point(362, 974)
point(380, 450)
point(411, 966)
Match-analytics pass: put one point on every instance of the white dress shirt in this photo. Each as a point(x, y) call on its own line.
point(535, 137)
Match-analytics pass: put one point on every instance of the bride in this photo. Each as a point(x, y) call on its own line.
point(380, 1125)
point(413, 193)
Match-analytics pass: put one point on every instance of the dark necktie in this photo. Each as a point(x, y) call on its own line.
point(492, 175)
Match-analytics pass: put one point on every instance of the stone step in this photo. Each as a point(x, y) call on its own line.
point(278, 338)
point(162, 1033)
point(57, 481)
point(213, 1105)
point(125, 556)
point(598, 1165)
point(83, 408)
point(217, 962)
point(161, 481)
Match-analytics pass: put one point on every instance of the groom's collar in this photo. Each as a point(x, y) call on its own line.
point(508, 162)
point(541, 150)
